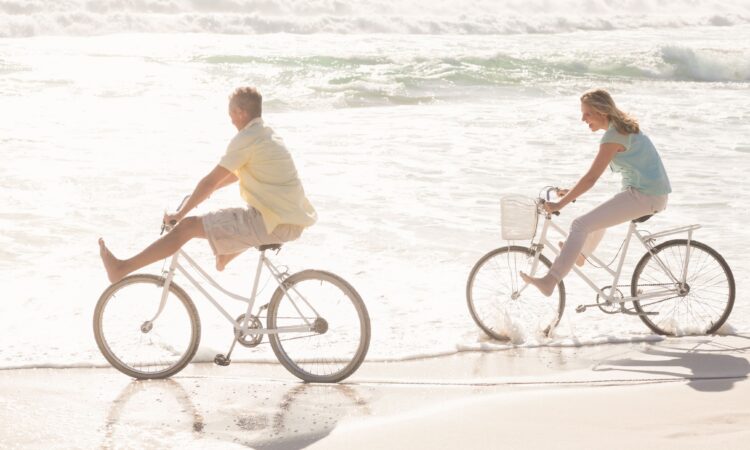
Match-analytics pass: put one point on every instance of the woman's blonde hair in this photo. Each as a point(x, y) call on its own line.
point(602, 102)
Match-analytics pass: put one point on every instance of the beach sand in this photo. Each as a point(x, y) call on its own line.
point(671, 394)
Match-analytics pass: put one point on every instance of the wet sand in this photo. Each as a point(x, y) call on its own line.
point(675, 393)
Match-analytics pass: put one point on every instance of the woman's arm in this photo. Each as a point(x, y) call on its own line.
point(588, 180)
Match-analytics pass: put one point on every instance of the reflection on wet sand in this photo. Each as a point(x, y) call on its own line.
point(161, 413)
point(154, 410)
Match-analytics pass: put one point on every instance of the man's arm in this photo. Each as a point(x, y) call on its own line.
point(216, 179)
point(229, 179)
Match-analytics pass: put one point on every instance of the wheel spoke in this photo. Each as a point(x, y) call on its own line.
point(709, 291)
point(326, 356)
point(490, 291)
point(161, 351)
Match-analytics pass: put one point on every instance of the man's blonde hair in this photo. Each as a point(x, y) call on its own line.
point(602, 102)
point(247, 99)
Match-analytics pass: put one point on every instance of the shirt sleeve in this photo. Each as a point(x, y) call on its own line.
point(237, 155)
point(612, 136)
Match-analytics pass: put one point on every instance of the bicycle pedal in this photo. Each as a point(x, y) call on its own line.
point(581, 308)
point(221, 360)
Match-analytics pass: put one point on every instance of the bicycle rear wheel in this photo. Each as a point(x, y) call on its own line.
point(494, 302)
point(337, 326)
point(133, 341)
point(700, 306)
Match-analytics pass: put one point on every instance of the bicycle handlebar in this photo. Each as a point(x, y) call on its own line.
point(547, 190)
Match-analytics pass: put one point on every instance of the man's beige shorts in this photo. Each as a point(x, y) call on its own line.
point(234, 230)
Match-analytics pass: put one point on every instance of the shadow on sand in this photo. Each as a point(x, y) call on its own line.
point(707, 366)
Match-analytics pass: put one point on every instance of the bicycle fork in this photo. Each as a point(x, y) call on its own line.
point(148, 325)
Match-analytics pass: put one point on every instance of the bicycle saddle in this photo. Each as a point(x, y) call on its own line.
point(642, 219)
point(263, 248)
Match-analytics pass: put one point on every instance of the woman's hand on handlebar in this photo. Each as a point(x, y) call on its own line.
point(552, 207)
point(561, 192)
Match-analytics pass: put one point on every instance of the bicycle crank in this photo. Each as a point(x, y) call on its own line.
point(248, 339)
point(613, 305)
point(222, 360)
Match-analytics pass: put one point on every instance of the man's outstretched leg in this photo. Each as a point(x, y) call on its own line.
point(117, 269)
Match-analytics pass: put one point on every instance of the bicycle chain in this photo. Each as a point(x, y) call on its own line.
point(652, 284)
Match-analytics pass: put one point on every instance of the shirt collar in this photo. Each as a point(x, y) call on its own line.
point(253, 122)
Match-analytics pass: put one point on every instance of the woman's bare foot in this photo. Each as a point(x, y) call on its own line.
point(546, 284)
point(112, 265)
point(580, 261)
point(223, 260)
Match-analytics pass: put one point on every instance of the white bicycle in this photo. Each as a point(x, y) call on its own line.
point(147, 327)
point(680, 286)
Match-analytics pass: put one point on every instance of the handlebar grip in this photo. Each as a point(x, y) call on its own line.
point(556, 213)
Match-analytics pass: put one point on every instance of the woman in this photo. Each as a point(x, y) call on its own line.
point(644, 184)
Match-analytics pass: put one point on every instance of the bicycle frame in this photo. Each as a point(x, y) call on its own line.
point(645, 239)
point(279, 276)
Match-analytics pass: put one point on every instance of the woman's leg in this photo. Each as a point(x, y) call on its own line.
point(625, 206)
point(592, 241)
point(167, 245)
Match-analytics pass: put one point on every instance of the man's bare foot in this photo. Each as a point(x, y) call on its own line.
point(580, 261)
point(546, 284)
point(113, 265)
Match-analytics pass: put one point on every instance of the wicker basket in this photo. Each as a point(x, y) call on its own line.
point(518, 217)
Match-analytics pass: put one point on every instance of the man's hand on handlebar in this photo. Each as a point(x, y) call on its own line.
point(171, 219)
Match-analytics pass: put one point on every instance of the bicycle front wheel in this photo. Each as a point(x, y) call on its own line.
point(495, 304)
point(323, 328)
point(699, 305)
point(137, 338)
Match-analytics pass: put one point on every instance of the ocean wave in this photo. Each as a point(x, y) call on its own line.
point(22, 18)
point(362, 80)
point(686, 64)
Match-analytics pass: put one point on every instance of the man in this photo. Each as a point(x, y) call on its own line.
point(277, 210)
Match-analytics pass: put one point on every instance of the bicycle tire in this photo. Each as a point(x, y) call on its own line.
point(683, 307)
point(161, 351)
point(496, 311)
point(297, 352)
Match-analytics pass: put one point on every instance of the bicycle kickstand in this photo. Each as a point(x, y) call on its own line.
point(221, 360)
